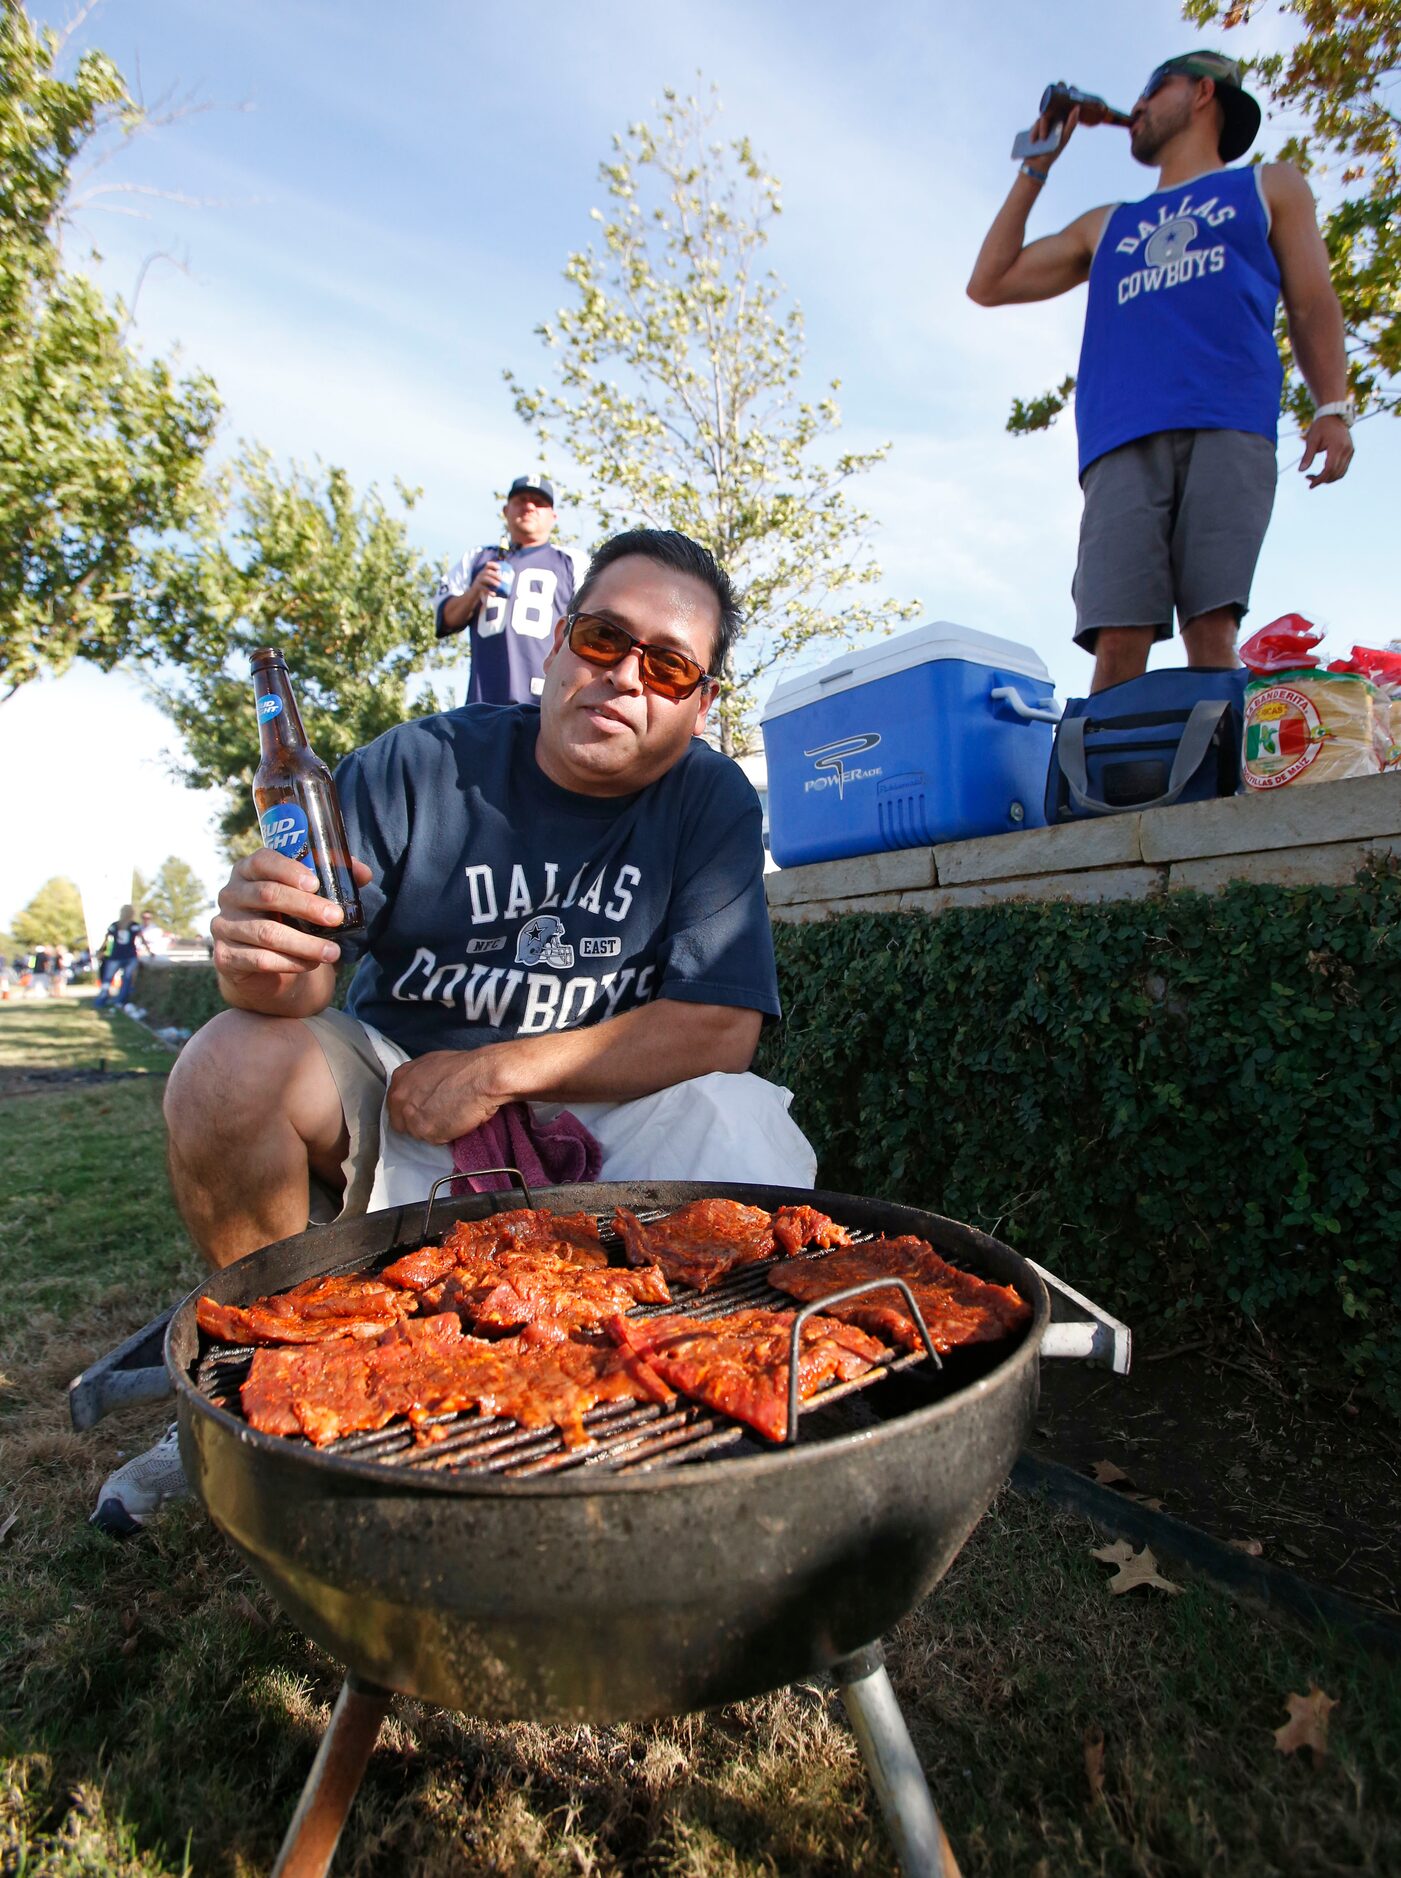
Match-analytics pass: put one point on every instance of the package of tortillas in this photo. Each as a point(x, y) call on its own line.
point(1303, 725)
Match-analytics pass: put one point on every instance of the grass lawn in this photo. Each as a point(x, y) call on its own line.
point(158, 1716)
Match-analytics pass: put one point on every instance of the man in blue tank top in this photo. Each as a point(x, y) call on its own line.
point(1177, 399)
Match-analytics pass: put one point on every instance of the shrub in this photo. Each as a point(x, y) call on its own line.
point(1182, 1105)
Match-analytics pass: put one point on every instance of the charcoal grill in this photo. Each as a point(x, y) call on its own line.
point(676, 1562)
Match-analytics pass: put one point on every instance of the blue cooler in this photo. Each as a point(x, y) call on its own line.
point(933, 735)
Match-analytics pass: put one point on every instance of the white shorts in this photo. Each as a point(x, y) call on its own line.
point(718, 1127)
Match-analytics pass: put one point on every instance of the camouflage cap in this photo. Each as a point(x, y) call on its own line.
point(1241, 112)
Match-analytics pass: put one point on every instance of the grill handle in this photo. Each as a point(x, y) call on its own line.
point(819, 1305)
point(448, 1179)
point(1080, 1328)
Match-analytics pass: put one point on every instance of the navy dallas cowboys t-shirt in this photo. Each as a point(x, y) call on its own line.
point(504, 906)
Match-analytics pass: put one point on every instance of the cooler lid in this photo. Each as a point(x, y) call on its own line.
point(941, 639)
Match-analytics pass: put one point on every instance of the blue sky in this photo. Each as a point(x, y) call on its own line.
point(380, 203)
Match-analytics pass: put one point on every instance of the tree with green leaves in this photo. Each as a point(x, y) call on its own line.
point(1340, 76)
point(101, 450)
point(53, 917)
point(333, 581)
point(678, 369)
point(176, 897)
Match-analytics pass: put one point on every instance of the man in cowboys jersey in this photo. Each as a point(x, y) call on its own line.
point(564, 905)
point(509, 596)
point(1177, 398)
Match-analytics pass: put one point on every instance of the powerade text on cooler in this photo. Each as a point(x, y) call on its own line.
point(298, 811)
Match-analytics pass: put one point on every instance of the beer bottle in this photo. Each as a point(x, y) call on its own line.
point(298, 811)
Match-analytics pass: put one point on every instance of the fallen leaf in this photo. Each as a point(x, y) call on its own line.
point(1094, 1763)
point(130, 1619)
point(129, 1644)
point(5, 1526)
point(1142, 1499)
point(248, 1609)
point(1108, 1475)
point(1251, 1546)
point(1135, 1568)
point(1307, 1726)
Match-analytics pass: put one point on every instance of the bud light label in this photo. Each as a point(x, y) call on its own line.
point(285, 831)
point(270, 706)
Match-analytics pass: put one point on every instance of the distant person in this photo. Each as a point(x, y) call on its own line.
point(119, 953)
point(510, 596)
point(1177, 399)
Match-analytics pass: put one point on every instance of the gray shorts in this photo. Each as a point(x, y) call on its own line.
point(360, 1082)
point(1172, 521)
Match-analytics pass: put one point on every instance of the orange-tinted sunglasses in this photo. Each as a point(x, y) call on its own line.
point(671, 674)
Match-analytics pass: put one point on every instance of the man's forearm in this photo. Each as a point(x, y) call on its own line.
point(625, 1057)
point(1317, 334)
point(1004, 241)
point(455, 613)
point(282, 994)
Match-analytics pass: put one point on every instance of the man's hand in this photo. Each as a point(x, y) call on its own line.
point(484, 586)
point(1042, 128)
point(251, 938)
point(446, 1093)
point(1331, 437)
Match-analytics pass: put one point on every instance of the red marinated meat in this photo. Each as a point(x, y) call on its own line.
point(797, 1226)
point(698, 1244)
point(572, 1236)
point(426, 1367)
point(311, 1312)
point(957, 1307)
point(738, 1363)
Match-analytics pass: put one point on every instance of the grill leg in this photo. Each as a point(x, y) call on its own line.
point(333, 1782)
point(891, 1761)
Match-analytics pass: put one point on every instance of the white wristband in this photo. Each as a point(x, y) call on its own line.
point(1343, 408)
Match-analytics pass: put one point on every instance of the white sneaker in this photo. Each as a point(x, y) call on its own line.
point(131, 1494)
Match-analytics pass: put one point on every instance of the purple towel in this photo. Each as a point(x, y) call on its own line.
point(547, 1154)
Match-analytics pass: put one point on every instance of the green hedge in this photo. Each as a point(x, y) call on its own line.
point(1180, 1104)
point(1183, 1105)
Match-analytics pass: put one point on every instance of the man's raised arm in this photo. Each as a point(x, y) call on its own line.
point(1009, 268)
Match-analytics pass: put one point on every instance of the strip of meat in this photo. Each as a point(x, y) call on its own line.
point(698, 1244)
point(540, 1288)
point(311, 1312)
point(957, 1307)
point(739, 1363)
point(426, 1367)
point(573, 1236)
point(797, 1226)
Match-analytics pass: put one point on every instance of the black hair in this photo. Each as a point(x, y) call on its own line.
point(670, 548)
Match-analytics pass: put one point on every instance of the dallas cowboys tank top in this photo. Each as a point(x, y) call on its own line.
point(1179, 330)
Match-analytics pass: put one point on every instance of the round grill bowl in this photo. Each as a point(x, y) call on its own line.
point(596, 1596)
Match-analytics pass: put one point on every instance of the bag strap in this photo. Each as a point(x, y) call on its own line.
point(1201, 726)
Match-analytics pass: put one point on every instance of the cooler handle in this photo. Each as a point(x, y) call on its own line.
point(1206, 714)
point(1029, 713)
point(830, 678)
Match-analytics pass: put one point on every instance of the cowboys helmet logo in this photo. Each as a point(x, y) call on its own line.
point(541, 941)
point(1170, 242)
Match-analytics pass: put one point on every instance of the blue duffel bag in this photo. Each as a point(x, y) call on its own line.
point(1171, 736)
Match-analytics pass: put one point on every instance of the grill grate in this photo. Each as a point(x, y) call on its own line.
point(623, 1438)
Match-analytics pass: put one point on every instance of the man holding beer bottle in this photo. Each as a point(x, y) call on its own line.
point(1177, 399)
point(508, 596)
point(562, 904)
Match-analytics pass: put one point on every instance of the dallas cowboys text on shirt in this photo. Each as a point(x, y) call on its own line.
point(1171, 259)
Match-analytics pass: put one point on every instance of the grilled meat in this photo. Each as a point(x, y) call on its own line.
point(739, 1363)
point(797, 1226)
point(503, 1291)
point(702, 1243)
point(957, 1307)
point(311, 1312)
point(572, 1236)
point(426, 1367)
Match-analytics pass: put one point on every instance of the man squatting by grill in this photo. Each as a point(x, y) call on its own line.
point(564, 905)
point(1177, 399)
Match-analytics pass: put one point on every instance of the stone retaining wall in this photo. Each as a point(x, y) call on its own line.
point(1320, 833)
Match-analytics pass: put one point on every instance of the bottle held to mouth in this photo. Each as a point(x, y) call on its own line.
point(1057, 102)
point(298, 809)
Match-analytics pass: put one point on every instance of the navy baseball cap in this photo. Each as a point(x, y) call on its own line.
point(1239, 110)
point(537, 485)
